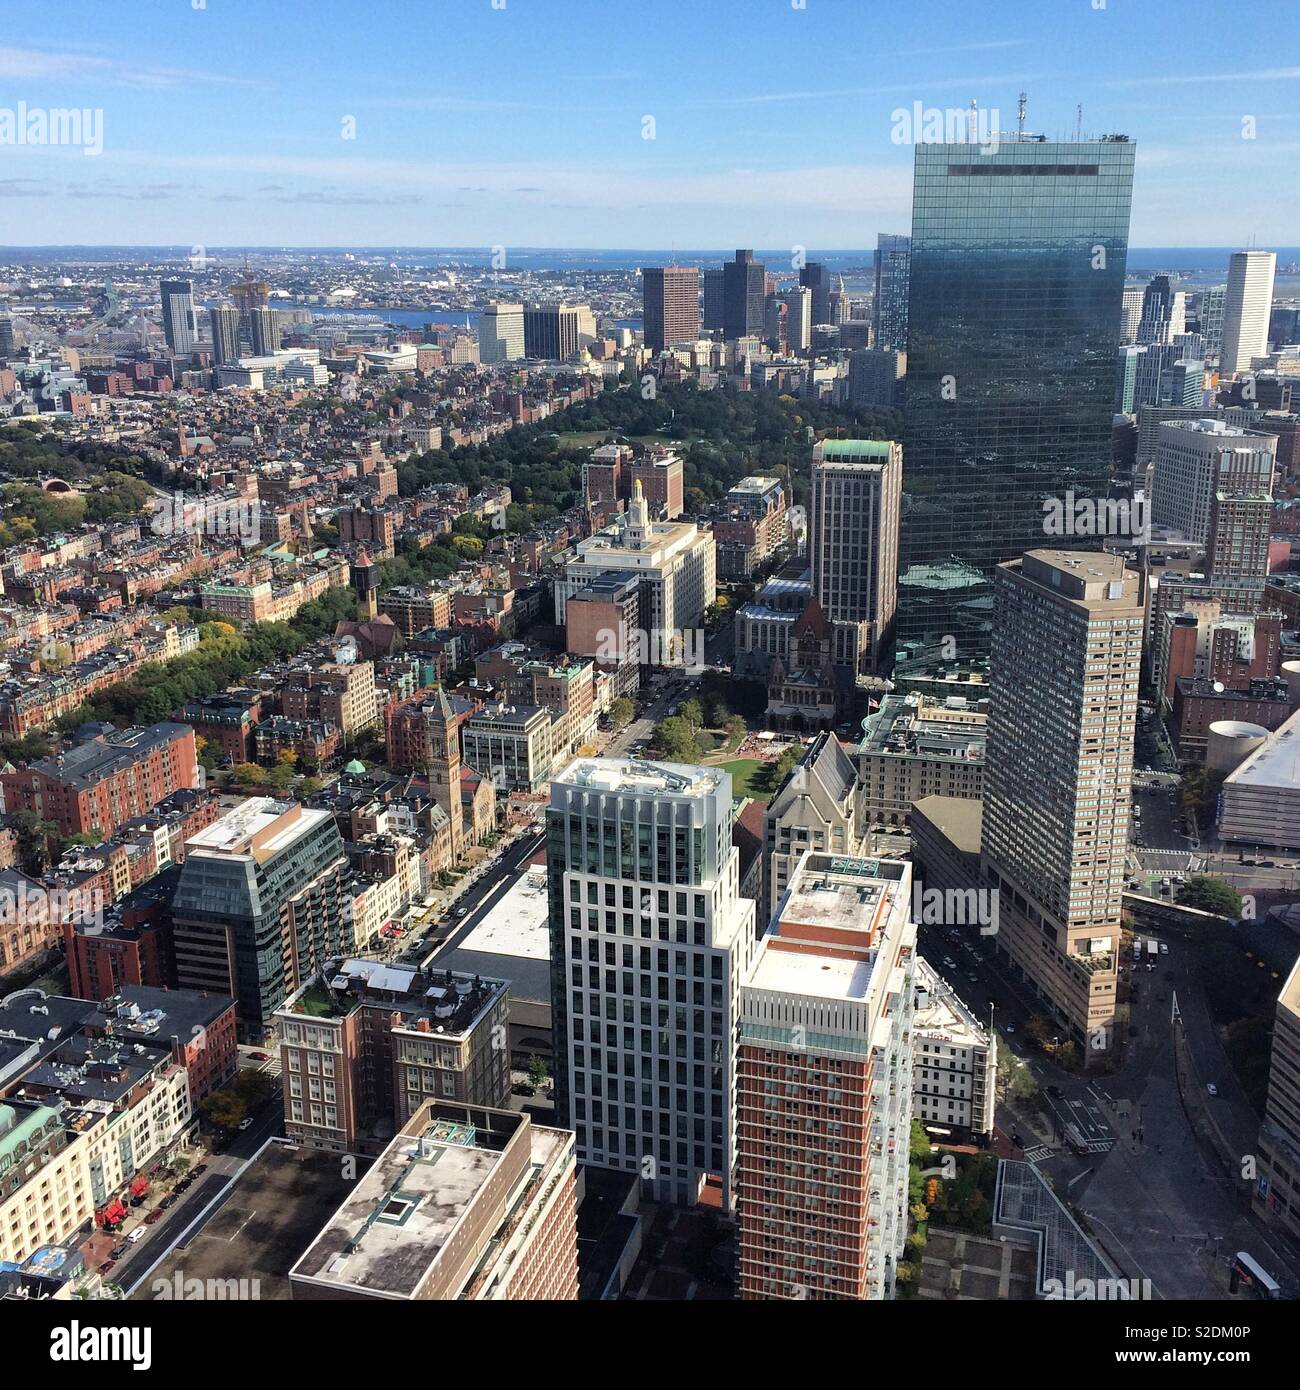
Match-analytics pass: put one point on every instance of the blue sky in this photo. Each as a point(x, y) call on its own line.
point(524, 125)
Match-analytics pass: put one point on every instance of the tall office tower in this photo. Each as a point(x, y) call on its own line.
point(824, 1085)
point(551, 332)
point(1164, 311)
point(225, 334)
point(264, 330)
point(501, 333)
point(1210, 304)
point(1131, 313)
point(1130, 359)
point(1182, 383)
point(7, 344)
point(1277, 1188)
point(774, 314)
point(853, 530)
point(1067, 647)
point(1013, 316)
point(714, 293)
point(178, 315)
point(671, 305)
point(249, 294)
point(813, 276)
point(838, 301)
point(744, 291)
point(798, 318)
point(876, 378)
point(1246, 305)
point(893, 276)
point(259, 907)
point(586, 324)
point(1283, 326)
point(1157, 382)
point(1199, 460)
point(650, 940)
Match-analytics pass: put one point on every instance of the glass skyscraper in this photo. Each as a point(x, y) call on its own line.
point(889, 311)
point(1016, 286)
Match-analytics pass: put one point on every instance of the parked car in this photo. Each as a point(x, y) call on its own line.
point(1055, 1091)
point(107, 1265)
point(118, 1251)
point(136, 1235)
point(1212, 1088)
point(155, 1215)
point(1164, 948)
point(199, 1170)
point(260, 1056)
point(168, 1201)
point(245, 1122)
point(184, 1185)
point(461, 911)
point(522, 1090)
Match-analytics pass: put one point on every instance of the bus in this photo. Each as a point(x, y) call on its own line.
point(1251, 1273)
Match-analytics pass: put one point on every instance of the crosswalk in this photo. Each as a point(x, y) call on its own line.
point(1100, 1146)
point(1038, 1153)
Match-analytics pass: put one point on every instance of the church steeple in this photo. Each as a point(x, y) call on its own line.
point(444, 766)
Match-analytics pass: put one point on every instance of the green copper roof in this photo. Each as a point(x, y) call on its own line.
point(855, 448)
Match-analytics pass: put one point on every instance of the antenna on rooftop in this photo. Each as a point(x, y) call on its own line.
point(1078, 122)
point(1020, 116)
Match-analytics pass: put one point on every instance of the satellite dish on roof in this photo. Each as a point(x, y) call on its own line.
point(1218, 687)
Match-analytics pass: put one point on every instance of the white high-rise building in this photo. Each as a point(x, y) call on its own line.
point(501, 333)
point(1132, 313)
point(650, 940)
point(1246, 308)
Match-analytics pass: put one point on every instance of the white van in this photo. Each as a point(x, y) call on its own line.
point(138, 1234)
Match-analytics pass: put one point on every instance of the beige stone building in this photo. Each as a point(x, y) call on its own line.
point(1066, 650)
point(914, 746)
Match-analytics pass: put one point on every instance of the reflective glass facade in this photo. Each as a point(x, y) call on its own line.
point(1016, 287)
point(889, 315)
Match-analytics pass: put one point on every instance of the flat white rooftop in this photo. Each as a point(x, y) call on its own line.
point(633, 775)
point(822, 977)
point(517, 925)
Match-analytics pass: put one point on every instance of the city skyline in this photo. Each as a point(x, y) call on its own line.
point(551, 127)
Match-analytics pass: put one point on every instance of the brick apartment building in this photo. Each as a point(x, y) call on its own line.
point(105, 778)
